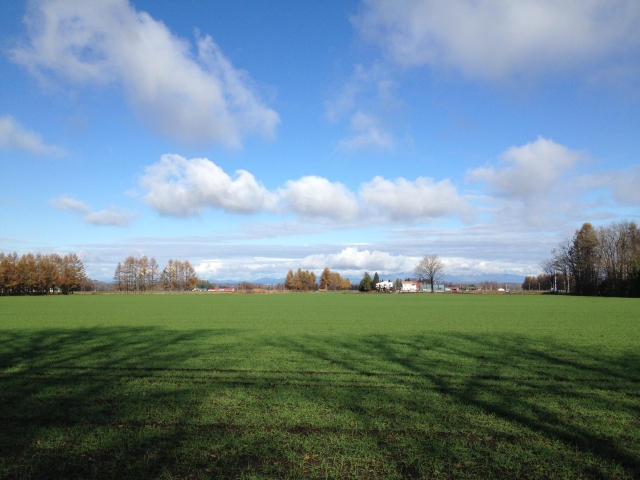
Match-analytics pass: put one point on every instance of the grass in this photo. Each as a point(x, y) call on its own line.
point(319, 386)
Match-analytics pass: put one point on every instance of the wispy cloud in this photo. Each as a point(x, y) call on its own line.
point(364, 98)
point(111, 216)
point(503, 39)
point(623, 184)
point(192, 98)
point(14, 136)
point(368, 133)
point(527, 172)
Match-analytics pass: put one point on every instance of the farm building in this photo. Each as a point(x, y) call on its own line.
point(409, 286)
point(384, 285)
point(426, 287)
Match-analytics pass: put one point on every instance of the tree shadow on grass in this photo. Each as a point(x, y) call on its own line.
point(155, 403)
point(533, 392)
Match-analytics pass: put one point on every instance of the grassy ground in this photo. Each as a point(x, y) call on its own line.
point(319, 386)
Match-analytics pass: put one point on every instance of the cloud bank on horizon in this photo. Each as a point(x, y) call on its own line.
point(484, 131)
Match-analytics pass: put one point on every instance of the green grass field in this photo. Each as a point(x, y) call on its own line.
point(319, 386)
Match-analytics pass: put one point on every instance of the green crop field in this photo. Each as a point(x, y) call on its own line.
point(319, 385)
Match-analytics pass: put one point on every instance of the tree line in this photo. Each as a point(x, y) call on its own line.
point(333, 281)
point(300, 281)
point(32, 274)
point(136, 275)
point(305, 281)
point(599, 261)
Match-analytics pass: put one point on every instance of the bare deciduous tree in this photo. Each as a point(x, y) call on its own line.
point(601, 261)
point(429, 268)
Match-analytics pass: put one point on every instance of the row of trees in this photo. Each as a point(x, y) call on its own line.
point(41, 274)
point(333, 281)
point(142, 274)
point(602, 261)
point(300, 281)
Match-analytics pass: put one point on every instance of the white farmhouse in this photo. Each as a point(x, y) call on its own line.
point(384, 285)
point(409, 286)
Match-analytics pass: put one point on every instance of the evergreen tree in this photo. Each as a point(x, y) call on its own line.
point(365, 283)
point(375, 281)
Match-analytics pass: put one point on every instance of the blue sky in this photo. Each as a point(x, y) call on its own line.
point(252, 137)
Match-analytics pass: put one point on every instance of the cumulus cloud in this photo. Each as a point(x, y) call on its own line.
point(420, 199)
point(527, 172)
point(368, 134)
point(111, 216)
point(179, 187)
point(14, 136)
point(622, 183)
point(496, 39)
point(207, 268)
point(176, 186)
point(194, 98)
point(351, 259)
point(314, 196)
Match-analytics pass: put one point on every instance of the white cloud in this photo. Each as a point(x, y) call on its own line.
point(501, 38)
point(368, 134)
point(622, 183)
point(69, 204)
point(193, 98)
point(364, 84)
point(176, 186)
point(14, 136)
point(314, 196)
point(112, 216)
point(179, 187)
point(352, 259)
point(461, 266)
point(472, 252)
point(207, 268)
point(420, 199)
point(527, 172)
